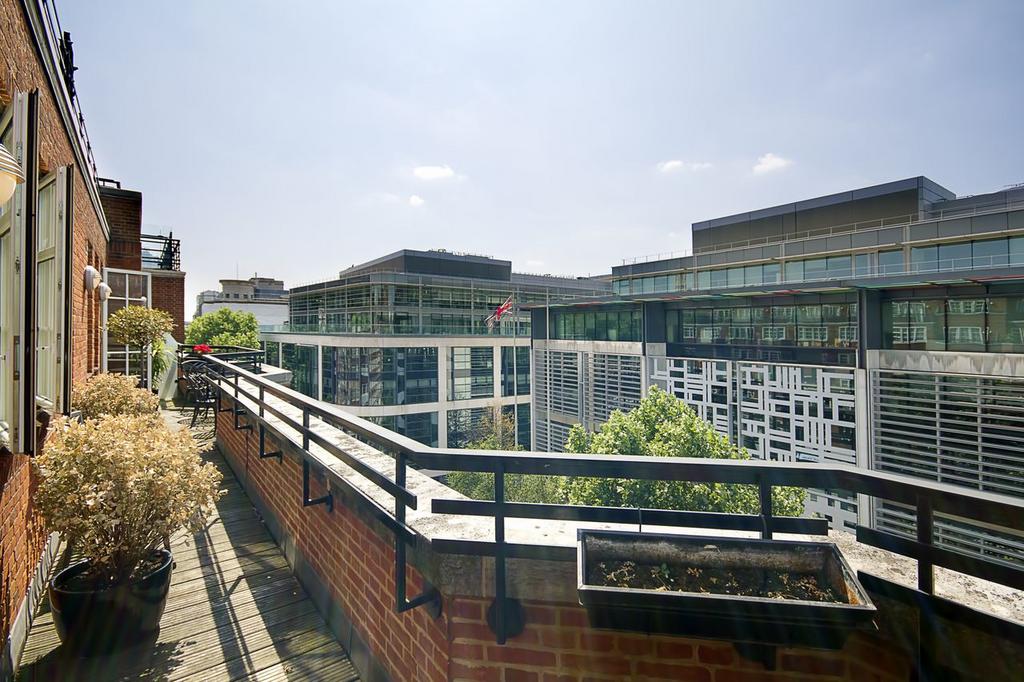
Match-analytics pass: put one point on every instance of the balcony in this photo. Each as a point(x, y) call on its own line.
point(160, 252)
point(417, 582)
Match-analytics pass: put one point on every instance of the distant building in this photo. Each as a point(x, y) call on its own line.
point(404, 340)
point(881, 327)
point(264, 297)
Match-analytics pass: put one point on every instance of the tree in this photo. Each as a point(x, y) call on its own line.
point(664, 426)
point(224, 327)
point(500, 434)
point(140, 327)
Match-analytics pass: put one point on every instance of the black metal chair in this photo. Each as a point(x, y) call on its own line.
point(198, 391)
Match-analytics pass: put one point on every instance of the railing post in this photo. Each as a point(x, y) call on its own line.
point(925, 568)
point(499, 552)
point(400, 592)
point(764, 490)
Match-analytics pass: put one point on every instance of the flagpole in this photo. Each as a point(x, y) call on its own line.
point(515, 369)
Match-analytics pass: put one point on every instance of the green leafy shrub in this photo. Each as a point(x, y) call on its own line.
point(113, 394)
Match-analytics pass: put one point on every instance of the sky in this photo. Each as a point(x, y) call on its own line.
point(294, 139)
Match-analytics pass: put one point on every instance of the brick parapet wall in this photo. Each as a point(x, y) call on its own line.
point(169, 295)
point(22, 536)
point(123, 210)
point(354, 557)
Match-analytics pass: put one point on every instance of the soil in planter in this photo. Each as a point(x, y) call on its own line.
point(91, 580)
point(744, 582)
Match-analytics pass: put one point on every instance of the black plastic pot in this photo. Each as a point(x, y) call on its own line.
point(100, 621)
point(723, 616)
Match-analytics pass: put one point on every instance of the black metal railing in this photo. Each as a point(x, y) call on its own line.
point(160, 252)
point(250, 359)
point(249, 395)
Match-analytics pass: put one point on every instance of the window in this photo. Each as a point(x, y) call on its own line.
point(49, 297)
point(736, 276)
point(861, 265)
point(890, 262)
point(924, 258)
point(771, 273)
point(719, 279)
point(955, 256)
point(753, 275)
point(990, 253)
point(470, 372)
point(795, 271)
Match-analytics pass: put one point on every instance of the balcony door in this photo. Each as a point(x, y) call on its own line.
point(128, 287)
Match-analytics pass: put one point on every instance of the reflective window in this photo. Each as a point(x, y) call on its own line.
point(470, 372)
point(890, 262)
point(991, 253)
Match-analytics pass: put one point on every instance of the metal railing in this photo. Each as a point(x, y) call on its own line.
point(248, 396)
point(160, 252)
point(240, 356)
point(836, 230)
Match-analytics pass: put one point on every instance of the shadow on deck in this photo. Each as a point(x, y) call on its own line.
point(235, 612)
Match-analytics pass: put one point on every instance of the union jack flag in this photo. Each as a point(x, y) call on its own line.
point(498, 312)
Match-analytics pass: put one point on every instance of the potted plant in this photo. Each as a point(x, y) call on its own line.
point(139, 327)
point(771, 592)
point(115, 487)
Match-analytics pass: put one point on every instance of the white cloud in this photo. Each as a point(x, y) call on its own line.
point(674, 165)
point(416, 201)
point(433, 172)
point(771, 162)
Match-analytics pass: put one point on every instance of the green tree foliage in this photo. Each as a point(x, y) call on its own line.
point(663, 426)
point(224, 327)
point(137, 326)
point(141, 327)
point(500, 434)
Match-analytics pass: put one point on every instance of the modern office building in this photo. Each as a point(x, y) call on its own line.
point(264, 297)
point(405, 340)
point(881, 327)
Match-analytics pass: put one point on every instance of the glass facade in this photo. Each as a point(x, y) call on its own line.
point(964, 255)
point(622, 325)
point(273, 353)
point(993, 324)
point(400, 303)
point(300, 360)
point(463, 424)
point(421, 426)
point(831, 324)
point(470, 373)
point(379, 376)
point(515, 370)
point(521, 414)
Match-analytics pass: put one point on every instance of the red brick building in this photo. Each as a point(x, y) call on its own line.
point(60, 221)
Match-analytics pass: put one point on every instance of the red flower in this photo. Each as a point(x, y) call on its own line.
point(202, 348)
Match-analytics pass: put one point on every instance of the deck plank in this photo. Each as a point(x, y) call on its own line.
point(234, 612)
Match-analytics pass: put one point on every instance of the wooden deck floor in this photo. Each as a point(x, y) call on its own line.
point(235, 612)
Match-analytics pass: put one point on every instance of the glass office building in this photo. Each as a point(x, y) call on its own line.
point(404, 340)
point(881, 327)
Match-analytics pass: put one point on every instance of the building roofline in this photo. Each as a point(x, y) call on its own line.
point(917, 182)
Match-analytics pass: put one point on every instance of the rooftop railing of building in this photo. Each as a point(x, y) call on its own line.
point(941, 266)
point(833, 231)
point(370, 329)
point(161, 252)
point(297, 424)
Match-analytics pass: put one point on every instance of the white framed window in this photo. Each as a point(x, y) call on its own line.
point(773, 333)
point(8, 288)
point(127, 287)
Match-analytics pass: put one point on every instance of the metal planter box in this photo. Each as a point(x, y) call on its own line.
point(760, 620)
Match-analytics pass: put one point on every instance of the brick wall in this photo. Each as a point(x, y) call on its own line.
point(169, 295)
point(123, 209)
point(355, 559)
point(21, 535)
